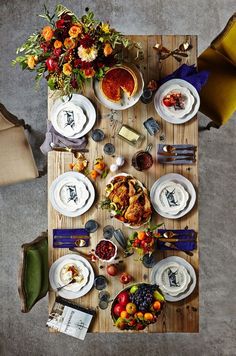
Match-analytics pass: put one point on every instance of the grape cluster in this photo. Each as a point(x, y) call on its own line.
point(143, 297)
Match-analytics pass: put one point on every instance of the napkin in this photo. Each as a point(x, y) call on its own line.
point(52, 136)
point(181, 245)
point(186, 149)
point(190, 74)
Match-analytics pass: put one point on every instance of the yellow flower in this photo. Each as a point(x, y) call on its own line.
point(107, 49)
point(87, 54)
point(57, 44)
point(105, 27)
point(47, 33)
point(67, 70)
point(31, 61)
point(75, 30)
point(69, 43)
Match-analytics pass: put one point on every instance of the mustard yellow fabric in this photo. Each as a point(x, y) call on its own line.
point(218, 96)
point(225, 43)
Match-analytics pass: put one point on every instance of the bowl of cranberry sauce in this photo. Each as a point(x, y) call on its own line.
point(106, 251)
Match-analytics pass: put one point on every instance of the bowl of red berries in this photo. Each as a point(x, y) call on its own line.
point(137, 306)
point(105, 251)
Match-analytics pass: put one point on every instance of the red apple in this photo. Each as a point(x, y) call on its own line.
point(112, 270)
point(140, 326)
point(125, 278)
point(118, 308)
point(123, 298)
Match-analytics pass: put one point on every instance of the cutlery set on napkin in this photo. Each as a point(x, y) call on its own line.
point(176, 154)
point(183, 240)
point(70, 238)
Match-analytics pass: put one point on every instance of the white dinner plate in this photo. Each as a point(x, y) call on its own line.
point(79, 177)
point(170, 118)
point(62, 194)
point(79, 101)
point(74, 287)
point(171, 197)
point(54, 282)
point(126, 102)
point(177, 178)
point(180, 261)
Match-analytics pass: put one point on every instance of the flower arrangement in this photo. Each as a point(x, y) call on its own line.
point(144, 241)
point(70, 50)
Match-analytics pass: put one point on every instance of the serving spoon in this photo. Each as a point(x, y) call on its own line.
point(78, 243)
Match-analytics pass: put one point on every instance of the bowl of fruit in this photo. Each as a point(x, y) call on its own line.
point(137, 306)
point(105, 251)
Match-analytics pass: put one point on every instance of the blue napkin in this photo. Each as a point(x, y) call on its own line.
point(190, 74)
point(181, 245)
point(180, 154)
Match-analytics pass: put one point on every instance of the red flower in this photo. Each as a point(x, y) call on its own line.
point(57, 52)
point(66, 17)
point(85, 65)
point(77, 62)
point(60, 24)
point(51, 64)
point(87, 41)
point(74, 83)
point(45, 46)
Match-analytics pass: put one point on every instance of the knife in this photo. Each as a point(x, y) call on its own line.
point(184, 158)
point(170, 245)
point(69, 238)
point(176, 240)
point(175, 154)
point(68, 149)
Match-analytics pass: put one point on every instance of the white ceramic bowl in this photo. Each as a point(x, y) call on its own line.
point(112, 258)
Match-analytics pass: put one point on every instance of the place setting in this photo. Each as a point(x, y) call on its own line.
point(176, 154)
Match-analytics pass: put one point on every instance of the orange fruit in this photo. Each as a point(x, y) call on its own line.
point(148, 316)
point(141, 235)
point(124, 314)
point(157, 305)
point(100, 165)
point(139, 315)
point(94, 174)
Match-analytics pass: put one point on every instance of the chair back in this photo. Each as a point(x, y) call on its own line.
point(33, 272)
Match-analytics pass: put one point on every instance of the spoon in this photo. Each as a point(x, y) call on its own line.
point(169, 234)
point(170, 149)
point(72, 281)
point(78, 243)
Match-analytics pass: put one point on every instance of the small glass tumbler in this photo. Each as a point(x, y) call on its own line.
point(100, 282)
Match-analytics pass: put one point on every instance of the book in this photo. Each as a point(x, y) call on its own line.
point(69, 318)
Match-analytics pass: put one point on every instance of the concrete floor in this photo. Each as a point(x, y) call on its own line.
point(23, 207)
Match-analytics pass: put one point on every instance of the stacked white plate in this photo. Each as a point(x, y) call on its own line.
point(172, 196)
point(189, 95)
point(71, 194)
point(59, 276)
point(175, 277)
point(73, 118)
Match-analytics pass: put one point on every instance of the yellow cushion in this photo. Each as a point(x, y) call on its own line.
point(225, 43)
point(218, 96)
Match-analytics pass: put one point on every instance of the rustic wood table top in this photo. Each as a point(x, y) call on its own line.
point(182, 316)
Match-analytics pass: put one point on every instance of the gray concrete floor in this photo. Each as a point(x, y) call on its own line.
point(23, 207)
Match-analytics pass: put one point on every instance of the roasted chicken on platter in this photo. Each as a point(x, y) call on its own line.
point(128, 200)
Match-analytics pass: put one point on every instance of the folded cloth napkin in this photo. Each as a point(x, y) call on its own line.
point(181, 245)
point(190, 74)
point(176, 160)
point(52, 136)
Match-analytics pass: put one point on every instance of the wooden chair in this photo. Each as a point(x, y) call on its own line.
point(218, 96)
point(16, 158)
point(33, 272)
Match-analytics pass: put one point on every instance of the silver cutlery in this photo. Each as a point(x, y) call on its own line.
point(71, 282)
point(176, 240)
point(182, 158)
point(171, 245)
point(78, 243)
point(169, 154)
point(170, 148)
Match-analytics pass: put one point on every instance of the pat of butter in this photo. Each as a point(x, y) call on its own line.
point(129, 134)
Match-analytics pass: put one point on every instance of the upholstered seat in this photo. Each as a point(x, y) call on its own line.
point(218, 96)
point(33, 272)
point(16, 158)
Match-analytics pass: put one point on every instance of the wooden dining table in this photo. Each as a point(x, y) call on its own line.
point(181, 316)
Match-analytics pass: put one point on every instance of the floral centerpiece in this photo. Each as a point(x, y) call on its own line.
point(70, 50)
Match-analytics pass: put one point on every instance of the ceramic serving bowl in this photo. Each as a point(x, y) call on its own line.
point(105, 251)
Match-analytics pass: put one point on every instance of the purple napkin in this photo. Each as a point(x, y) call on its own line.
point(52, 136)
point(181, 245)
point(185, 149)
point(190, 74)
